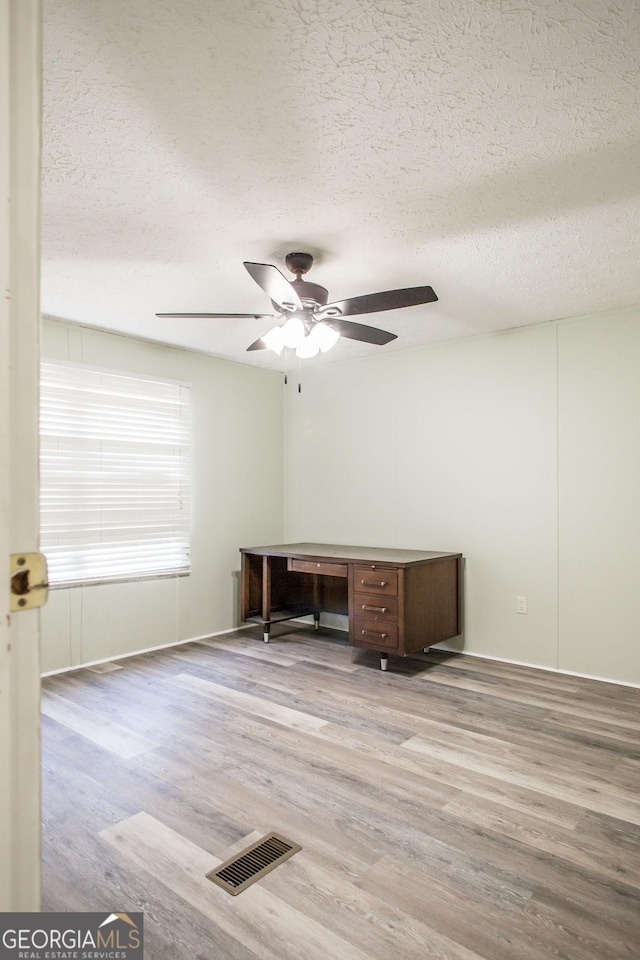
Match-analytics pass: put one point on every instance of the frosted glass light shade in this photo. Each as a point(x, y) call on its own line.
point(293, 332)
point(309, 348)
point(275, 340)
point(324, 336)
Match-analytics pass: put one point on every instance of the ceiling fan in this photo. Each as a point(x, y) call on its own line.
point(305, 321)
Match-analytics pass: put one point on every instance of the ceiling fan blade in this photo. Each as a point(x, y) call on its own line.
point(258, 344)
point(386, 300)
point(275, 285)
point(360, 331)
point(254, 316)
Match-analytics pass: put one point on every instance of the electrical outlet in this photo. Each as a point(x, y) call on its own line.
point(521, 604)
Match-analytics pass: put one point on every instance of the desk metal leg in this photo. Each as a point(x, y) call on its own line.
point(384, 661)
point(266, 596)
point(316, 621)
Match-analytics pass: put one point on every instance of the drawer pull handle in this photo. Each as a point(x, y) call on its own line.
point(372, 633)
point(374, 583)
point(375, 609)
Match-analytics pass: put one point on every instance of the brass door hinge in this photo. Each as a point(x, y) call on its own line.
point(29, 581)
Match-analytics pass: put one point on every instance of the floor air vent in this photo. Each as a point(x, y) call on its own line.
point(252, 863)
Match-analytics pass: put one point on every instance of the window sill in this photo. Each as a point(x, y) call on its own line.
point(70, 584)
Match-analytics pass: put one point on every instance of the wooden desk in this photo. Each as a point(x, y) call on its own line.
point(397, 601)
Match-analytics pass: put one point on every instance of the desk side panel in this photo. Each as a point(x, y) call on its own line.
point(251, 586)
point(431, 603)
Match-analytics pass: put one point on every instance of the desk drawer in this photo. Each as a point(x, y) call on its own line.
point(375, 580)
point(326, 569)
point(377, 636)
point(375, 607)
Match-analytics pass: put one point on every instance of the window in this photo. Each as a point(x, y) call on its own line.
point(114, 474)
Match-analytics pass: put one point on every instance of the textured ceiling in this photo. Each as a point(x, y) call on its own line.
point(490, 149)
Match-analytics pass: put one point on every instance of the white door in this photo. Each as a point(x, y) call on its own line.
point(20, 125)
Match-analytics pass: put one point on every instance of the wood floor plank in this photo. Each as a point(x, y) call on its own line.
point(108, 667)
point(283, 652)
point(454, 774)
point(532, 935)
point(244, 701)
point(108, 734)
point(580, 930)
point(519, 677)
point(359, 769)
point(616, 861)
point(594, 794)
point(605, 711)
point(304, 647)
point(363, 919)
point(546, 750)
point(264, 653)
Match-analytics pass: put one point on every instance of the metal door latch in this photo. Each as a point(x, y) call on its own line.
point(29, 581)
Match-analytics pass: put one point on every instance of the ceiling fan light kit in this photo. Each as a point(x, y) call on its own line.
point(306, 337)
point(307, 323)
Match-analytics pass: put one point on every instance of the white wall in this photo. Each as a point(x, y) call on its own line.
point(521, 450)
point(599, 492)
point(237, 455)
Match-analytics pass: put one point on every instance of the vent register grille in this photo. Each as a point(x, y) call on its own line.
point(236, 874)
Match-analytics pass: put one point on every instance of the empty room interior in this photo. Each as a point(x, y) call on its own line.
point(374, 589)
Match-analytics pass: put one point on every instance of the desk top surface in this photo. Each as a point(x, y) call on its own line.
point(336, 551)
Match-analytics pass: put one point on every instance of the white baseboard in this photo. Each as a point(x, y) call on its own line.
point(537, 666)
point(136, 653)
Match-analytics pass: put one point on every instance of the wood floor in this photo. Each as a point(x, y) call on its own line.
point(452, 808)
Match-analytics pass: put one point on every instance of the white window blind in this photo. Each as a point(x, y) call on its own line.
point(114, 474)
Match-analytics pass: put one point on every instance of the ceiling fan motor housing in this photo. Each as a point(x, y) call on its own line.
point(311, 294)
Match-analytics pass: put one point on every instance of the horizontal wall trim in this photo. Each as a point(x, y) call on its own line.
point(537, 666)
point(137, 653)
